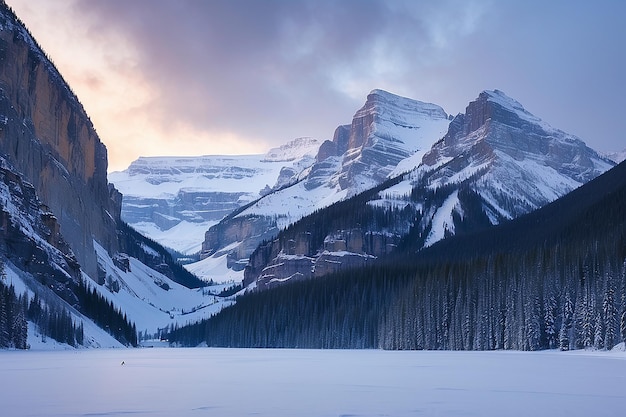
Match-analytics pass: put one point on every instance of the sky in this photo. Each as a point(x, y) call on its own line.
point(200, 77)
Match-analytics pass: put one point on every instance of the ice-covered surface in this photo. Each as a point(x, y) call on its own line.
point(320, 383)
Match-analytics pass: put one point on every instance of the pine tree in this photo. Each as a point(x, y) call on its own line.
point(566, 326)
point(610, 315)
point(623, 327)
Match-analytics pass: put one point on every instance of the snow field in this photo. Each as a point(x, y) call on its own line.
point(238, 382)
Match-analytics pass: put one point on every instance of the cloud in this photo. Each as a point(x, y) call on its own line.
point(240, 76)
point(273, 70)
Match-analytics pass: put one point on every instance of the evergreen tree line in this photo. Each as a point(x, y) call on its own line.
point(54, 322)
point(539, 301)
point(13, 325)
point(105, 315)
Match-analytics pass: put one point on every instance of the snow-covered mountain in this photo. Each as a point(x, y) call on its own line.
point(496, 162)
point(387, 136)
point(511, 160)
point(174, 200)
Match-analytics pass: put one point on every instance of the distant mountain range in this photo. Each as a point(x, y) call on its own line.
point(174, 200)
point(492, 163)
point(552, 279)
point(496, 162)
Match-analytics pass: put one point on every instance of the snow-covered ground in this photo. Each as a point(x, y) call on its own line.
point(238, 382)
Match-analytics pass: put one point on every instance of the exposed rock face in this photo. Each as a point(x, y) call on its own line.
point(511, 158)
point(386, 130)
point(250, 231)
point(30, 235)
point(46, 134)
point(299, 258)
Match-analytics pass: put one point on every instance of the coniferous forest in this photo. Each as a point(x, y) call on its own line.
point(53, 320)
point(555, 278)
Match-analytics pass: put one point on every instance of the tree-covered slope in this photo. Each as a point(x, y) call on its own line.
point(553, 278)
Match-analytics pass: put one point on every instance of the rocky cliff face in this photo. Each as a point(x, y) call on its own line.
point(30, 235)
point(386, 130)
point(299, 258)
point(46, 135)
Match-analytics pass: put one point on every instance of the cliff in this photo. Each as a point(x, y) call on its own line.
point(47, 136)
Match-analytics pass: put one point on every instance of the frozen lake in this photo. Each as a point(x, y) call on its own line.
point(276, 383)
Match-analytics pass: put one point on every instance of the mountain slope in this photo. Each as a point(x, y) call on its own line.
point(46, 135)
point(69, 259)
point(512, 160)
point(496, 162)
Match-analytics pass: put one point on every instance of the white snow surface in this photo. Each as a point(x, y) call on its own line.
point(300, 148)
point(442, 221)
point(311, 383)
point(95, 337)
point(214, 268)
point(151, 307)
point(165, 176)
point(401, 125)
point(186, 237)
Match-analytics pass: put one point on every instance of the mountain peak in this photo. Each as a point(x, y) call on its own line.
point(296, 149)
point(501, 99)
point(381, 101)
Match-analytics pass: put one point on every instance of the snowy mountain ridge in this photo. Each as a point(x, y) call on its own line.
point(616, 157)
point(515, 161)
point(496, 162)
point(174, 200)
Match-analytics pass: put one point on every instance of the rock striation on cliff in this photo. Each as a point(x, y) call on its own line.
point(47, 136)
